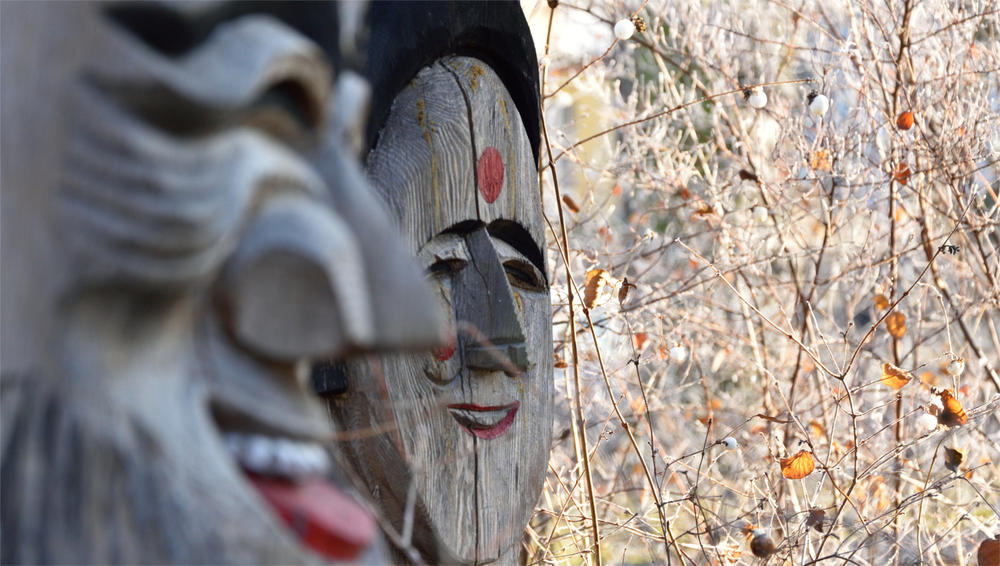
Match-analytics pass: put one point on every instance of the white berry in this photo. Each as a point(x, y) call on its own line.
point(760, 214)
point(624, 29)
point(956, 367)
point(730, 443)
point(819, 104)
point(755, 97)
point(678, 353)
point(927, 422)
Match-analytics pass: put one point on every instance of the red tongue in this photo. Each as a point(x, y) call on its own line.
point(326, 520)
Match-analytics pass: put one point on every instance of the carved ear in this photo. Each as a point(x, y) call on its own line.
point(296, 286)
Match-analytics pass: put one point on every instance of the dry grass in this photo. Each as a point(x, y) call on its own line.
point(771, 251)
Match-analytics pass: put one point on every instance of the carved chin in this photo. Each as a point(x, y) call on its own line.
point(85, 481)
point(88, 481)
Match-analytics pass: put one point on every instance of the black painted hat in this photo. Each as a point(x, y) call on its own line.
point(406, 36)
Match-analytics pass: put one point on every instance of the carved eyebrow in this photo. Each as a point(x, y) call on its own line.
point(462, 228)
point(519, 239)
point(175, 30)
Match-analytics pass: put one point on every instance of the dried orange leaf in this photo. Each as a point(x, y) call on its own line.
point(902, 173)
point(704, 209)
point(817, 428)
point(953, 458)
point(905, 120)
point(798, 466)
point(598, 288)
point(881, 303)
point(894, 377)
point(900, 211)
point(896, 325)
point(558, 361)
point(952, 414)
point(639, 339)
point(989, 552)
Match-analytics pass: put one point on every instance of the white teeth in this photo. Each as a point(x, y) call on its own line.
point(277, 456)
point(482, 418)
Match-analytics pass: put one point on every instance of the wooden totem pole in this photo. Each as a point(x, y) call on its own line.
point(457, 440)
point(185, 230)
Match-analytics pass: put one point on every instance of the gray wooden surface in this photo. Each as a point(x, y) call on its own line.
point(180, 239)
point(473, 495)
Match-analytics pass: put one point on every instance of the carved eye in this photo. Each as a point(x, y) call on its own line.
point(446, 267)
point(523, 275)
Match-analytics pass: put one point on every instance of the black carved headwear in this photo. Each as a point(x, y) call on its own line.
point(406, 36)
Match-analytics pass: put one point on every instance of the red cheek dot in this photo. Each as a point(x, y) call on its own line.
point(489, 174)
point(444, 353)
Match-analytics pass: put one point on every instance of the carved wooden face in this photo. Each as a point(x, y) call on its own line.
point(188, 233)
point(467, 426)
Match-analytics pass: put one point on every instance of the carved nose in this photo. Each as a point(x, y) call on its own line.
point(495, 341)
point(511, 359)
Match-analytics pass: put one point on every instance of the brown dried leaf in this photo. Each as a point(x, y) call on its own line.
point(558, 361)
point(639, 340)
point(597, 289)
point(902, 173)
point(989, 552)
point(623, 291)
point(895, 377)
point(816, 518)
point(952, 414)
point(953, 458)
point(800, 465)
point(896, 325)
point(571, 204)
point(704, 209)
point(881, 303)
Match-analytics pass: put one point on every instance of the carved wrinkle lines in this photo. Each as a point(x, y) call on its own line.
point(239, 63)
point(153, 208)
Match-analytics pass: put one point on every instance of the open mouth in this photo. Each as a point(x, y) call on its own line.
point(484, 422)
point(290, 476)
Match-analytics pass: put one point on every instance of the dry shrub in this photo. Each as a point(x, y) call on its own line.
point(779, 258)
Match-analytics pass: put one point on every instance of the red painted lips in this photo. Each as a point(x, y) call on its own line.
point(484, 422)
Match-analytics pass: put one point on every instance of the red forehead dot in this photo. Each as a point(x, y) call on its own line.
point(489, 174)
